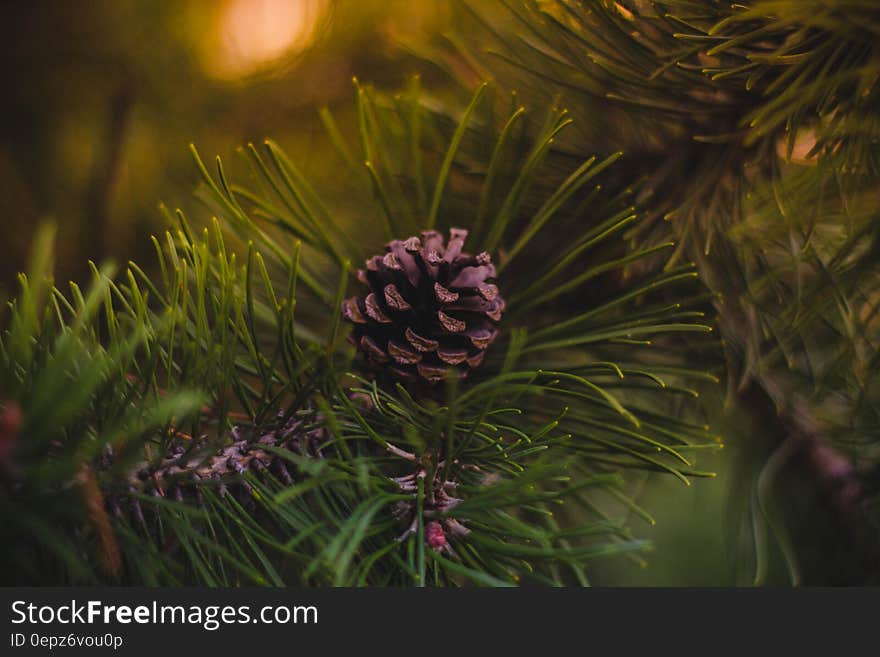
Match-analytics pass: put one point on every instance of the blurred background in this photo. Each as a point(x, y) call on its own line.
point(102, 98)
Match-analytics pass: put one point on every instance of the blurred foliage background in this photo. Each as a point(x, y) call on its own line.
point(101, 99)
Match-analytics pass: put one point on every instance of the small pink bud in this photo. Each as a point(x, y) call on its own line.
point(434, 535)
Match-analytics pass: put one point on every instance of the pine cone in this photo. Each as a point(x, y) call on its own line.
point(430, 309)
point(179, 472)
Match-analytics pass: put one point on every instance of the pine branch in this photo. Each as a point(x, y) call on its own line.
point(249, 448)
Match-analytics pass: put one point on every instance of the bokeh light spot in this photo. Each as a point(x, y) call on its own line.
point(254, 34)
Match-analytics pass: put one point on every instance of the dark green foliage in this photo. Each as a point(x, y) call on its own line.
point(752, 129)
point(517, 473)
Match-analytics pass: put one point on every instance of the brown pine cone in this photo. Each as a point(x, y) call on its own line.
point(178, 474)
point(430, 308)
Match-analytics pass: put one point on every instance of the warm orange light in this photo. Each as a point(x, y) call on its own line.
point(252, 34)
